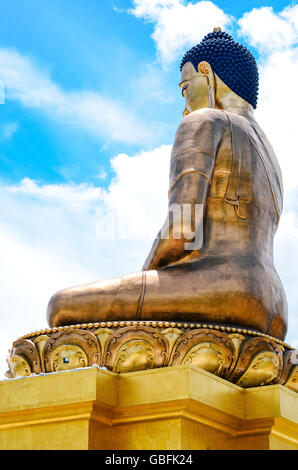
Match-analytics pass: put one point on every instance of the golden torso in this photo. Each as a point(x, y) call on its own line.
point(232, 278)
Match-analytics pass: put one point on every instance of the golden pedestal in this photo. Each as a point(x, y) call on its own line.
point(173, 408)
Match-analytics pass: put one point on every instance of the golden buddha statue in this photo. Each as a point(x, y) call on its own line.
point(222, 162)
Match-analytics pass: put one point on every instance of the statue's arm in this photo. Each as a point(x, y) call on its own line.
point(192, 163)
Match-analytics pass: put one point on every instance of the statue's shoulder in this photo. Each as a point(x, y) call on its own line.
point(205, 116)
point(202, 129)
point(209, 114)
point(206, 120)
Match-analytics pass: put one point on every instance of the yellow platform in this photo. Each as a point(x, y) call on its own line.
point(171, 408)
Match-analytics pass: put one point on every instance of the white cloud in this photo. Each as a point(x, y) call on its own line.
point(102, 117)
point(286, 256)
point(71, 195)
point(278, 68)
point(275, 35)
point(277, 108)
point(50, 236)
point(179, 24)
point(136, 202)
point(270, 31)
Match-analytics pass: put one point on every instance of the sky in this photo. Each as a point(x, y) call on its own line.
point(89, 107)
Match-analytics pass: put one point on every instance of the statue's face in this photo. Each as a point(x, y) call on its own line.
point(194, 88)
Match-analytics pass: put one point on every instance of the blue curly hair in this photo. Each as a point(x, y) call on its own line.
point(231, 61)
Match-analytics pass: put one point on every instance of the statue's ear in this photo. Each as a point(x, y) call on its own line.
point(206, 70)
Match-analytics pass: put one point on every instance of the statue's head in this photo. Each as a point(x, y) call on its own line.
point(215, 67)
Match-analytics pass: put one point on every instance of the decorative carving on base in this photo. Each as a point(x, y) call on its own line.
point(136, 348)
point(71, 346)
point(247, 358)
point(210, 350)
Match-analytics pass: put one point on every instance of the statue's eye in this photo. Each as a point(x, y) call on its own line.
point(183, 89)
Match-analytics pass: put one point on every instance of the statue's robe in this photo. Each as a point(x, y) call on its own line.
point(224, 162)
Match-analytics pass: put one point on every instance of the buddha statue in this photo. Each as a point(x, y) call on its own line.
point(222, 163)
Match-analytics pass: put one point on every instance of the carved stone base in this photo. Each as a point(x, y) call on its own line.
point(245, 357)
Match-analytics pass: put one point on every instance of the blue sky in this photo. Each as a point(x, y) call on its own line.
point(81, 46)
point(92, 45)
point(91, 109)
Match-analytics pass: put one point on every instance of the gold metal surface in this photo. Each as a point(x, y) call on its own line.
point(245, 357)
point(263, 369)
point(19, 367)
point(222, 160)
point(179, 407)
point(292, 382)
point(68, 357)
point(105, 328)
point(134, 355)
point(40, 341)
point(207, 356)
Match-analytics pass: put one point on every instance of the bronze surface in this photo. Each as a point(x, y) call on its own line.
point(245, 357)
point(222, 160)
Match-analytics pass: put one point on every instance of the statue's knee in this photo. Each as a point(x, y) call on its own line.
point(55, 306)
